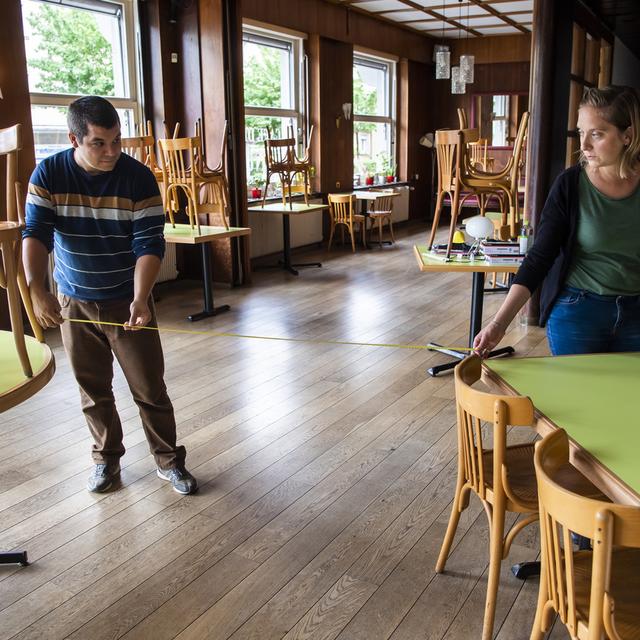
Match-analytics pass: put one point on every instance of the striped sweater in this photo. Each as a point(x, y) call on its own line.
point(97, 225)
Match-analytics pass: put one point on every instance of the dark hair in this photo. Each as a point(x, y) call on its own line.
point(90, 110)
point(620, 106)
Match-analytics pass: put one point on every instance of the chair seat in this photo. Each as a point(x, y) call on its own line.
point(625, 589)
point(522, 477)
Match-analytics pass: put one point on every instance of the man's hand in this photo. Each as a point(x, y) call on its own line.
point(488, 338)
point(46, 308)
point(140, 315)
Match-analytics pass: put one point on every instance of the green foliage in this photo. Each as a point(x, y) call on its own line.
point(364, 102)
point(73, 56)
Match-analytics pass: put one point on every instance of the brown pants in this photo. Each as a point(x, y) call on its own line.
point(90, 348)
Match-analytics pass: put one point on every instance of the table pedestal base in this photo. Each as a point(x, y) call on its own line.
point(459, 355)
point(16, 557)
point(524, 570)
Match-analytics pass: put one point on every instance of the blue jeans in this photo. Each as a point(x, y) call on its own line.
point(584, 322)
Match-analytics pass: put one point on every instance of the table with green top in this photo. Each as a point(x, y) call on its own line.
point(185, 234)
point(15, 388)
point(595, 399)
point(428, 261)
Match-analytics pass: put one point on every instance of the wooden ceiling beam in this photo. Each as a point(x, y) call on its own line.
point(497, 14)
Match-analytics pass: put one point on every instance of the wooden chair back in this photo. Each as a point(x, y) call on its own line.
point(342, 207)
point(143, 149)
point(280, 154)
point(383, 204)
point(10, 144)
point(450, 145)
point(588, 610)
point(10, 266)
point(478, 154)
point(475, 407)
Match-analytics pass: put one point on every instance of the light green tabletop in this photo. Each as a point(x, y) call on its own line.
point(14, 385)
point(185, 234)
point(595, 398)
point(291, 208)
point(428, 261)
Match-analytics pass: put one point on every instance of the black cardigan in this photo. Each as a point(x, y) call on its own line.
point(550, 257)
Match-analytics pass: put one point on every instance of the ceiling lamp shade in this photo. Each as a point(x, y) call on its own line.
point(467, 64)
point(443, 63)
point(457, 84)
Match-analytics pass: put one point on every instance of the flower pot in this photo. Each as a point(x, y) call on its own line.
point(390, 178)
point(256, 192)
point(368, 180)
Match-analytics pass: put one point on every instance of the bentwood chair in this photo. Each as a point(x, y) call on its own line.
point(180, 175)
point(478, 154)
point(463, 121)
point(217, 173)
point(596, 593)
point(381, 213)
point(504, 182)
point(449, 154)
point(10, 144)
point(343, 214)
point(503, 477)
point(280, 158)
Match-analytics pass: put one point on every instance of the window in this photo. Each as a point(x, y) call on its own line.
point(273, 100)
point(76, 48)
point(373, 119)
point(500, 121)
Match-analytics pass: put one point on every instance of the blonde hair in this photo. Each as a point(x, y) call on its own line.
point(620, 106)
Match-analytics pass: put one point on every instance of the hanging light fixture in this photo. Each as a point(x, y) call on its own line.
point(443, 62)
point(443, 56)
point(457, 83)
point(467, 62)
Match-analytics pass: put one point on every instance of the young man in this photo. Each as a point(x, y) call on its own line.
point(100, 211)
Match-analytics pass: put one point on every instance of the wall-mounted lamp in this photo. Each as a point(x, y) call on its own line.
point(346, 114)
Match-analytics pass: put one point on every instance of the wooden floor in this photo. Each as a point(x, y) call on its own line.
point(326, 473)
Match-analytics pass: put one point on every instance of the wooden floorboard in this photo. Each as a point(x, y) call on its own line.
point(326, 474)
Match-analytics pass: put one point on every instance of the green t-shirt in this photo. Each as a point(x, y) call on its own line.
point(606, 257)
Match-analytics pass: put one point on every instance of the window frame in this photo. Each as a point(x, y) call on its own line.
point(131, 52)
point(271, 36)
point(367, 58)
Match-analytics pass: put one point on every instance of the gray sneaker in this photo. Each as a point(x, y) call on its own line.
point(104, 477)
point(183, 482)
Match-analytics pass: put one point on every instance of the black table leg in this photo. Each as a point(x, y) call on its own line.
point(15, 557)
point(209, 309)
point(286, 253)
point(475, 324)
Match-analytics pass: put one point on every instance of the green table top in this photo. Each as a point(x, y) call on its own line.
point(592, 397)
point(292, 208)
point(12, 379)
point(428, 261)
point(185, 234)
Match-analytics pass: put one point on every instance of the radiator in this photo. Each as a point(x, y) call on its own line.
point(168, 269)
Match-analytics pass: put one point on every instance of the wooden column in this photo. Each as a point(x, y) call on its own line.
point(548, 102)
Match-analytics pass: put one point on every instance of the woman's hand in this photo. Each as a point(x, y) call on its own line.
point(488, 338)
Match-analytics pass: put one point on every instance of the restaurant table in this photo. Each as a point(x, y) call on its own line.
point(427, 261)
point(15, 388)
point(594, 399)
point(286, 210)
point(185, 234)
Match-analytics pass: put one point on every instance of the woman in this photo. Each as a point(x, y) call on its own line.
point(587, 247)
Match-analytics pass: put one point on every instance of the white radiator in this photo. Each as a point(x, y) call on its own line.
point(168, 270)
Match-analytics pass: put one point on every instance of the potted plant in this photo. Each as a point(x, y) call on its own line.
point(256, 180)
point(370, 168)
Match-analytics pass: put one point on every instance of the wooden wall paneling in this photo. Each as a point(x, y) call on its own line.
point(162, 79)
point(336, 142)
point(592, 60)
point(577, 52)
point(418, 120)
point(493, 49)
point(340, 23)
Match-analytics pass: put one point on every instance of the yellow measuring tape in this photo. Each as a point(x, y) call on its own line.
point(219, 334)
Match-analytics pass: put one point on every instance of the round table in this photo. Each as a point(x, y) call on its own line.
point(15, 388)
